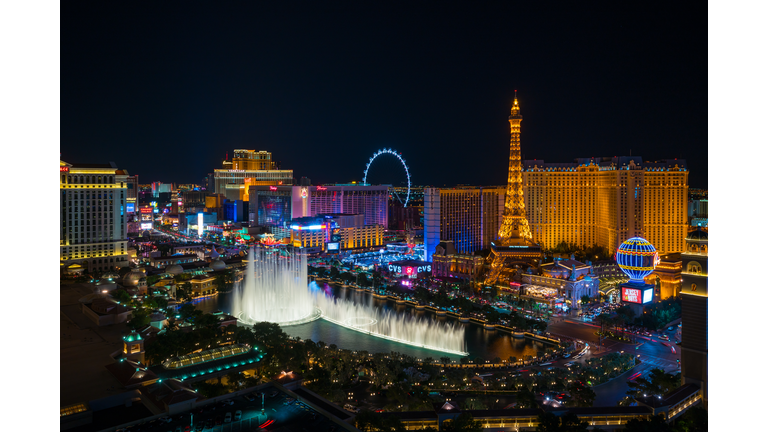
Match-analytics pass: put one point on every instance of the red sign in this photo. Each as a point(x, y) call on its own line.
point(273, 188)
point(631, 295)
point(146, 210)
point(63, 169)
point(409, 270)
point(322, 188)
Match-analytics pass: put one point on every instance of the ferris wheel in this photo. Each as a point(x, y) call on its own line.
point(402, 161)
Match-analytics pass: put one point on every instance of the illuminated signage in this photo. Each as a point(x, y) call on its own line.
point(130, 207)
point(637, 296)
point(410, 270)
point(332, 246)
point(146, 226)
point(199, 224)
point(320, 188)
point(63, 169)
point(273, 188)
point(146, 210)
point(304, 193)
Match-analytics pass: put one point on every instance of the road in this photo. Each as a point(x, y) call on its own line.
point(654, 353)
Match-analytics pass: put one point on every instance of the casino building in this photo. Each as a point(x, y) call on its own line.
point(248, 167)
point(561, 284)
point(92, 221)
point(607, 200)
point(695, 293)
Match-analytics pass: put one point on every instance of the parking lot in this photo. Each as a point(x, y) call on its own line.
point(280, 412)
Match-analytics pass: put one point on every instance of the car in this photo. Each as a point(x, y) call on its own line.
point(664, 337)
point(238, 415)
point(228, 417)
point(566, 355)
point(671, 328)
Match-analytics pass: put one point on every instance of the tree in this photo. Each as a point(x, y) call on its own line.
point(121, 296)
point(582, 395)
point(585, 300)
point(549, 422)
point(474, 404)
point(161, 302)
point(655, 424)
point(694, 419)
point(526, 398)
point(189, 311)
point(463, 423)
point(657, 383)
point(139, 319)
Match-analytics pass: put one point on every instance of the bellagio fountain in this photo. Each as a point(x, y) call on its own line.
point(275, 289)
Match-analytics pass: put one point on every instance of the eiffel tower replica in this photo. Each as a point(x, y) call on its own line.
point(513, 244)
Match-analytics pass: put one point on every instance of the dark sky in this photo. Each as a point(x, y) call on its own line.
point(166, 89)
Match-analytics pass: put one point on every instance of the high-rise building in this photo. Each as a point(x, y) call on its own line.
point(93, 222)
point(695, 294)
point(604, 201)
point(275, 206)
point(258, 167)
point(513, 244)
point(468, 216)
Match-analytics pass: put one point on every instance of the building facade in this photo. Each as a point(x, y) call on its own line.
point(604, 201)
point(562, 282)
point(446, 262)
point(349, 231)
point(695, 294)
point(93, 221)
point(468, 216)
point(275, 206)
point(256, 166)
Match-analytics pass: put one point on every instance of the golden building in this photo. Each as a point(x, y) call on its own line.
point(93, 220)
point(605, 201)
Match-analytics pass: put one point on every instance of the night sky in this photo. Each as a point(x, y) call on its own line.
point(166, 90)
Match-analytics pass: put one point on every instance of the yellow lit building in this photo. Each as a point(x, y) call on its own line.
point(605, 201)
point(694, 345)
point(93, 220)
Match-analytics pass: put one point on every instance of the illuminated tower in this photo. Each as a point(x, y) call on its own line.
point(514, 240)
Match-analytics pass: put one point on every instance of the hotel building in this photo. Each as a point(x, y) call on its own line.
point(605, 201)
point(695, 293)
point(275, 206)
point(92, 223)
point(248, 167)
point(468, 216)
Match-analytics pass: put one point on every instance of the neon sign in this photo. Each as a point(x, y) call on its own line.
point(273, 188)
point(63, 169)
point(320, 188)
point(637, 296)
point(304, 193)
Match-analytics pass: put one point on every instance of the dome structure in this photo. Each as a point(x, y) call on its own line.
point(637, 258)
point(699, 235)
point(174, 269)
point(132, 278)
point(218, 265)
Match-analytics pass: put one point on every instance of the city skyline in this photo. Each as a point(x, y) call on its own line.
point(435, 85)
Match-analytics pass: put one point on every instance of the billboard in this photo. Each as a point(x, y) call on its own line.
point(146, 225)
point(332, 246)
point(637, 295)
point(410, 270)
point(130, 208)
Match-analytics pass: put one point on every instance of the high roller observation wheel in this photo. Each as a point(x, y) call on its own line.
point(402, 161)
